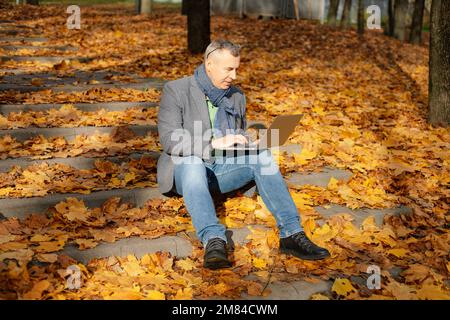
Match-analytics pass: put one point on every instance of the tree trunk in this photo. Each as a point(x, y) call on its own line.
point(199, 31)
point(137, 6)
point(360, 17)
point(345, 20)
point(33, 2)
point(146, 7)
point(439, 77)
point(400, 16)
point(389, 29)
point(332, 12)
point(416, 27)
point(184, 7)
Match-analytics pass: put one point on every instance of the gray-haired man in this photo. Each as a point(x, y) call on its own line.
point(205, 112)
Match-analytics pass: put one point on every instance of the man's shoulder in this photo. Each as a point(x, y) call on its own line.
point(182, 83)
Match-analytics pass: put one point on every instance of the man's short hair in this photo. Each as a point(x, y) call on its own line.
point(221, 44)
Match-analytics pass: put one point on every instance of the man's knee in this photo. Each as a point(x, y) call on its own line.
point(187, 160)
point(191, 168)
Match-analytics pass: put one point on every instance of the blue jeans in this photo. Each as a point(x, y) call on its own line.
point(195, 180)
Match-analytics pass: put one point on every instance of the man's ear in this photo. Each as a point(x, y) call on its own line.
point(208, 64)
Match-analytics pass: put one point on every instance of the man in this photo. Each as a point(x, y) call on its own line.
point(198, 115)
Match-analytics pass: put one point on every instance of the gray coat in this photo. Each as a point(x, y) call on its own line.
point(182, 103)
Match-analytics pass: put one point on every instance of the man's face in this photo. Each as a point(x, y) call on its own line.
point(221, 67)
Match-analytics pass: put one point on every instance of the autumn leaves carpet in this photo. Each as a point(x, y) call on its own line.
point(78, 149)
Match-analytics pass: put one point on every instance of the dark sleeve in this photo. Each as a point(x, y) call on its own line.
point(243, 129)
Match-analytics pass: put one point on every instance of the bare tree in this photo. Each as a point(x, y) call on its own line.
point(345, 20)
point(199, 28)
point(439, 83)
point(416, 27)
point(400, 17)
point(332, 12)
point(360, 17)
point(184, 7)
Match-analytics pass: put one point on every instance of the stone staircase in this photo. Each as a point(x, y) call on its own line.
point(179, 245)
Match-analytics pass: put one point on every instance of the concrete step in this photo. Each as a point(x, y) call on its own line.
point(22, 134)
point(19, 31)
point(28, 47)
point(69, 134)
point(180, 247)
point(83, 162)
point(25, 206)
point(10, 24)
point(76, 162)
point(321, 178)
point(14, 71)
point(10, 32)
point(43, 59)
point(134, 245)
point(295, 290)
point(79, 77)
point(23, 39)
point(360, 215)
point(143, 85)
point(21, 208)
point(5, 109)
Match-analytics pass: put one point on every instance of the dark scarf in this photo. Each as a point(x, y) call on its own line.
point(227, 114)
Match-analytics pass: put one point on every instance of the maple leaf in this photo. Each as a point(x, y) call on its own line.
point(156, 295)
point(399, 253)
point(183, 294)
point(85, 243)
point(432, 292)
point(186, 264)
point(342, 287)
point(47, 257)
point(37, 290)
point(73, 209)
point(319, 296)
point(122, 134)
point(304, 157)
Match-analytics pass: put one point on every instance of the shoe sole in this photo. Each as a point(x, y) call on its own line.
point(216, 263)
point(297, 255)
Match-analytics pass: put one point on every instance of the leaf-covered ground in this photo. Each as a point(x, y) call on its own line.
point(364, 102)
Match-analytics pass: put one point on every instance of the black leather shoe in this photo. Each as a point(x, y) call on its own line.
point(216, 254)
point(301, 247)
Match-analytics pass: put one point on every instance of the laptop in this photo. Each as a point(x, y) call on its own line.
point(276, 135)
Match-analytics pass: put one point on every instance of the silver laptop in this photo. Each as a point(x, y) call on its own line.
point(276, 135)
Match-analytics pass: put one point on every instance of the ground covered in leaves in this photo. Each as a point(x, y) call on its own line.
point(364, 104)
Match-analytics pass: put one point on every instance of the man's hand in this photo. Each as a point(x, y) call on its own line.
point(228, 141)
